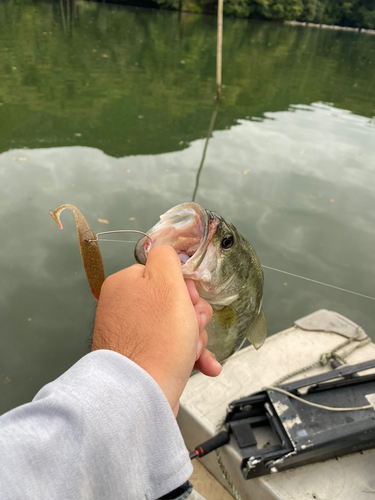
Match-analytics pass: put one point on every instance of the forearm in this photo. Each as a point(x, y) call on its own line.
point(102, 430)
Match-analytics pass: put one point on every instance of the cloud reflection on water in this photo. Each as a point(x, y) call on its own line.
point(299, 185)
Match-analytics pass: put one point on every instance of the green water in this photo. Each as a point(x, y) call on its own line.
point(110, 114)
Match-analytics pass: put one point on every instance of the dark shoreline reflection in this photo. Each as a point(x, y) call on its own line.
point(135, 81)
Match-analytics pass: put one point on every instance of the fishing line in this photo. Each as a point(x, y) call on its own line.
point(320, 283)
point(116, 241)
point(265, 267)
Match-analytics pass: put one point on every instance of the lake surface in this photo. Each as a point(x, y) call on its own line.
point(110, 114)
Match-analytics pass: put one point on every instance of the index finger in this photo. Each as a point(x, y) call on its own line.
point(163, 263)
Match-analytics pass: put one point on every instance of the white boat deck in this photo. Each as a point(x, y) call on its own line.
point(205, 401)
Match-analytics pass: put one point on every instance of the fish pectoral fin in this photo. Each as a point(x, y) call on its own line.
point(257, 331)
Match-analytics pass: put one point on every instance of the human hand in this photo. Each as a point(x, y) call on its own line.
point(150, 315)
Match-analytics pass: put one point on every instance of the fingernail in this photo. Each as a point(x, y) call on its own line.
point(218, 364)
point(204, 321)
point(200, 348)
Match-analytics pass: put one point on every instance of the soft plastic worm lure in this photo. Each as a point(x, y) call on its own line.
point(88, 247)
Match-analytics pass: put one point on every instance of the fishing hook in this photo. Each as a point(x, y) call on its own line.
point(119, 231)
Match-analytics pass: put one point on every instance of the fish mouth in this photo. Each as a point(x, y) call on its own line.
point(188, 228)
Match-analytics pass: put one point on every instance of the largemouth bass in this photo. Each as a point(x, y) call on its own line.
point(225, 269)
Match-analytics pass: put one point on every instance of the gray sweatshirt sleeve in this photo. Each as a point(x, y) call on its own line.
point(103, 430)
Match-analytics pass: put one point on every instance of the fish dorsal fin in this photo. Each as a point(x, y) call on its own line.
point(257, 331)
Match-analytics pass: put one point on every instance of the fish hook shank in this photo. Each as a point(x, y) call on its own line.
point(88, 247)
point(120, 231)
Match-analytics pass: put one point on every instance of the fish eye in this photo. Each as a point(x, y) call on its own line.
point(227, 241)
